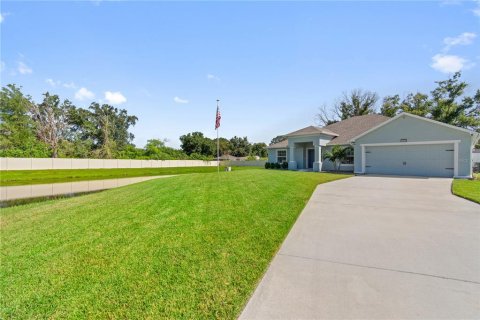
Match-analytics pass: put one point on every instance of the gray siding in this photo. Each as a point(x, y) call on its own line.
point(413, 129)
point(272, 154)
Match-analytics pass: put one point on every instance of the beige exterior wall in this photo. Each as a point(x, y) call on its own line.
point(50, 164)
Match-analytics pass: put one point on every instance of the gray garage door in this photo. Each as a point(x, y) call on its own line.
point(434, 160)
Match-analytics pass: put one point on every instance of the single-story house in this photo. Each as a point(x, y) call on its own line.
point(406, 144)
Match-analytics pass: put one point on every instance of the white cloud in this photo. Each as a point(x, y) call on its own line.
point(23, 68)
point(70, 85)
point(463, 39)
point(115, 97)
point(449, 63)
point(450, 2)
point(3, 15)
point(52, 82)
point(212, 77)
point(180, 100)
point(84, 93)
point(476, 11)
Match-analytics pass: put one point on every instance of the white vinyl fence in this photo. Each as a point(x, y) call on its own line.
point(57, 163)
point(248, 163)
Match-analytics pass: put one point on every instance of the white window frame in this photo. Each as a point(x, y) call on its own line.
point(353, 158)
point(281, 156)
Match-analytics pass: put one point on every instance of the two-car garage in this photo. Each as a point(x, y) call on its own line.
point(410, 145)
point(435, 160)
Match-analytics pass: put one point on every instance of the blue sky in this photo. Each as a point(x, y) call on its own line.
point(272, 64)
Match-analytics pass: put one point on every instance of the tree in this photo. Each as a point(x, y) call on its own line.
point(390, 106)
point(278, 139)
point(336, 155)
point(259, 149)
point(50, 118)
point(449, 105)
point(225, 147)
point(153, 148)
point(325, 116)
point(111, 126)
point(418, 104)
point(196, 143)
point(240, 146)
point(17, 134)
point(354, 103)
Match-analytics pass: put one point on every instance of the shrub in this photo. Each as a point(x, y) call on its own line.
point(267, 165)
point(285, 165)
point(278, 165)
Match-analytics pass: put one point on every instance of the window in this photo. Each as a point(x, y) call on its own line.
point(281, 156)
point(349, 156)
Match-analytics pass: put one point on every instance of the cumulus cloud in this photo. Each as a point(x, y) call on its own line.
point(70, 85)
point(212, 77)
point(476, 10)
point(463, 39)
point(23, 68)
point(180, 100)
point(115, 97)
point(52, 82)
point(83, 94)
point(449, 63)
point(2, 16)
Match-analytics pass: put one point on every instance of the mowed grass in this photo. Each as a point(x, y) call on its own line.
point(192, 247)
point(468, 189)
point(24, 177)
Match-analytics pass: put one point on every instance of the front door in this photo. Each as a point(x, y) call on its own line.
point(310, 158)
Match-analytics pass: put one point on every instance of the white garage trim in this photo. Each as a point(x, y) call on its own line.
point(413, 143)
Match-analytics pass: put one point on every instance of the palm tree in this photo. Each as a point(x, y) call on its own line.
point(336, 155)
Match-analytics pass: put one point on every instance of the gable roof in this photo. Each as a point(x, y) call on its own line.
point(311, 130)
point(342, 131)
point(279, 145)
point(354, 126)
point(413, 116)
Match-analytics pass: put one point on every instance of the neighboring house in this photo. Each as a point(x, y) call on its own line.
point(403, 145)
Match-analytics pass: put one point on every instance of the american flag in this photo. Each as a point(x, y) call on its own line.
point(217, 119)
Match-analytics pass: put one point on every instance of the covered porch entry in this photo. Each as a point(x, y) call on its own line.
point(304, 155)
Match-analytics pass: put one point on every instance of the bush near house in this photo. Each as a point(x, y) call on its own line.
point(276, 165)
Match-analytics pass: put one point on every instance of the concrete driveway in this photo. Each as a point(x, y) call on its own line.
point(376, 247)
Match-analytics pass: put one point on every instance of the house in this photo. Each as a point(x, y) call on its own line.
point(406, 144)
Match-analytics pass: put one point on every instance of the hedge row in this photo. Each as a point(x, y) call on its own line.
point(276, 165)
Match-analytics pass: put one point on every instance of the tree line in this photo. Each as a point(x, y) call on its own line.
point(57, 128)
point(446, 103)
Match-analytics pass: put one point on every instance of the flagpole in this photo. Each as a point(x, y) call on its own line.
point(218, 148)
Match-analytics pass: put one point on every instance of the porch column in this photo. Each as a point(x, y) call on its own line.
point(292, 164)
point(317, 164)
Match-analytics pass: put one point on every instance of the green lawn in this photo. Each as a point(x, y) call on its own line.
point(23, 177)
point(468, 189)
point(192, 246)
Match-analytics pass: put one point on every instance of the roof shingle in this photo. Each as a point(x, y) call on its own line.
point(354, 126)
point(342, 131)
